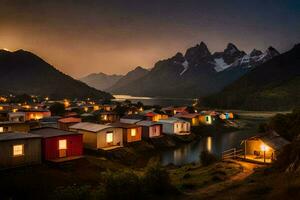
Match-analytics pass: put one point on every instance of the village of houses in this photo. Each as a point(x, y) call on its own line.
point(30, 134)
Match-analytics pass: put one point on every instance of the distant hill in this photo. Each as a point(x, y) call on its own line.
point(24, 72)
point(132, 76)
point(101, 81)
point(274, 85)
point(197, 73)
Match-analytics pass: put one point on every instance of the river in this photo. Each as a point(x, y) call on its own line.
point(213, 142)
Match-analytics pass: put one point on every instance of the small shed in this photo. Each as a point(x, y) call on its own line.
point(150, 129)
point(59, 145)
point(16, 116)
point(98, 136)
point(105, 117)
point(131, 132)
point(65, 123)
point(19, 149)
point(192, 118)
point(264, 147)
point(175, 126)
point(36, 114)
point(9, 126)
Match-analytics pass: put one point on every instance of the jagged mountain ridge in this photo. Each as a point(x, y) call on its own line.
point(274, 84)
point(197, 73)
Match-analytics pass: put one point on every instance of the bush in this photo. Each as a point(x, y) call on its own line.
point(157, 180)
point(72, 193)
point(122, 185)
point(207, 158)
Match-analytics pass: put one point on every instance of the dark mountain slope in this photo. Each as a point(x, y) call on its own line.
point(270, 86)
point(101, 81)
point(24, 72)
point(131, 76)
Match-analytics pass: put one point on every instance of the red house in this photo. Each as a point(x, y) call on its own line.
point(59, 145)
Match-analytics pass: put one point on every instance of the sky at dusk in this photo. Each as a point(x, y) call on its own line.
point(115, 36)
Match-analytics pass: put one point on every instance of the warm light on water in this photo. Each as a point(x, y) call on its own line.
point(208, 143)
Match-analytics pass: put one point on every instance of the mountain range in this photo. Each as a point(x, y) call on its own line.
point(24, 72)
point(273, 85)
point(101, 81)
point(197, 73)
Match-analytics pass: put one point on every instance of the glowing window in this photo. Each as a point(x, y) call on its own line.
point(133, 132)
point(18, 150)
point(62, 144)
point(104, 117)
point(109, 137)
point(1, 129)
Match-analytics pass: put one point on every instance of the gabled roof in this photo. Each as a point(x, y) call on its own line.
point(146, 123)
point(272, 139)
point(171, 120)
point(87, 126)
point(51, 132)
point(17, 136)
point(187, 115)
point(123, 125)
point(70, 120)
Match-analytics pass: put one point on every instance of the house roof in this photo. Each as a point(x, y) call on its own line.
point(123, 125)
point(187, 115)
point(51, 132)
point(146, 123)
point(17, 136)
point(87, 126)
point(170, 120)
point(129, 121)
point(272, 139)
point(133, 116)
point(70, 120)
point(35, 110)
point(10, 122)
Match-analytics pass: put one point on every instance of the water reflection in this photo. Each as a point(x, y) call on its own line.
point(156, 101)
point(215, 143)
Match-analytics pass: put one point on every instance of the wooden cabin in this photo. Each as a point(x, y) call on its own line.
point(19, 149)
point(155, 117)
point(192, 118)
point(59, 145)
point(228, 115)
point(6, 127)
point(16, 116)
point(36, 114)
point(175, 126)
point(65, 123)
point(263, 147)
point(205, 119)
point(131, 132)
point(150, 129)
point(98, 136)
point(105, 117)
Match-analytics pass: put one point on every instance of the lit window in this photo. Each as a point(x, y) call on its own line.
point(1, 129)
point(18, 150)
point(62, 144)
point(104, 117)
point(109, 137)
point(133, 132)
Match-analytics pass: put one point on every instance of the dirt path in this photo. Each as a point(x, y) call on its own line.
point(211, 190)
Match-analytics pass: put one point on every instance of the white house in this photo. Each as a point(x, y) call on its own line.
point(175, 126)
point(98, 136)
